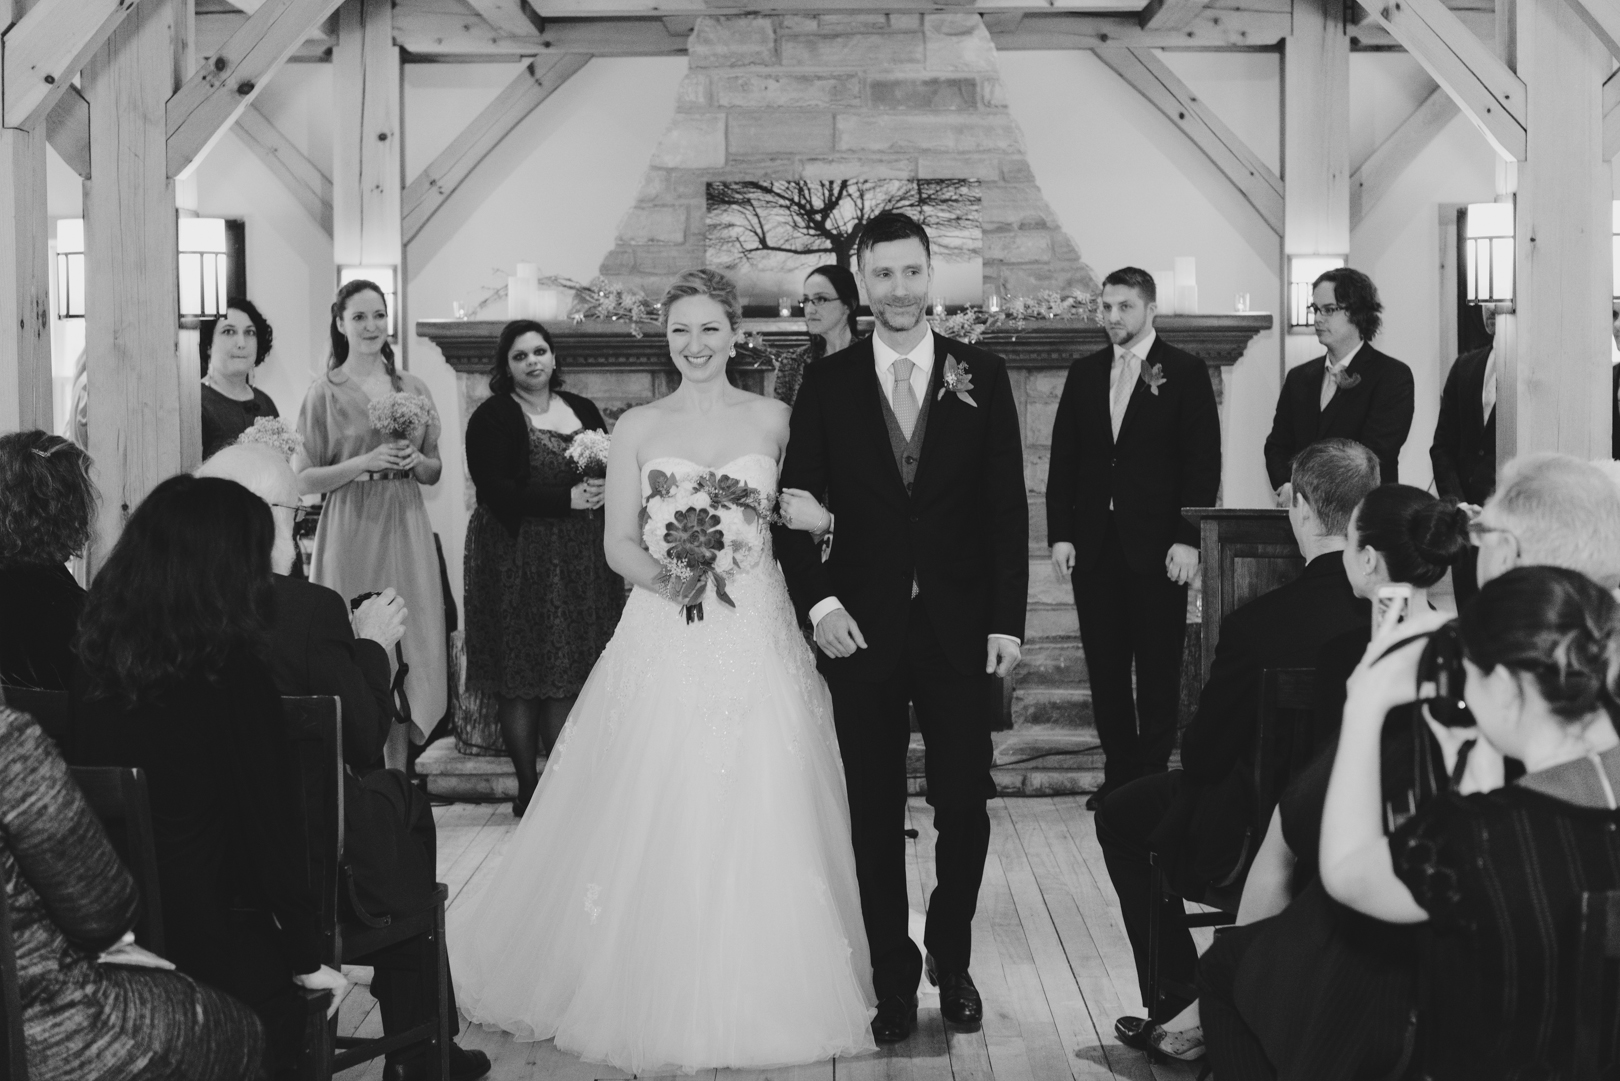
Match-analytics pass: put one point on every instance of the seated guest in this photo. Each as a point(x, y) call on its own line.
point(1464, 448)
point(1497, 876)
point(172, 680)
point(389, 836)
point(1354, 392)
point(47, 506)
point(231, 346)
point(70, 899)
point(1196, 817)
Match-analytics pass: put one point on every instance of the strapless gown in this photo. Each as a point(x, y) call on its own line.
point(681, 893)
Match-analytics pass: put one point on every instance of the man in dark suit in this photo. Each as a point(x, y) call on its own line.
point(1137, 437)
point(1464, 448)
point(912, 439)
point(1614, 391)
point(389, 835)
point(1195, 817)
point(1354, 392)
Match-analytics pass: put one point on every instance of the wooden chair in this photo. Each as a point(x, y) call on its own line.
point(1283, 691)
point(1597, 986)
point(51, 710)
point(117, 796)
point(13, 1050)
point(314, 726)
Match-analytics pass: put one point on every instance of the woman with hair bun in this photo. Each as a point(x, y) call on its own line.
point(1496, 876)
point(374, 531)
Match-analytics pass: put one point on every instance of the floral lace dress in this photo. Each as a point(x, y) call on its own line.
point(540, 608)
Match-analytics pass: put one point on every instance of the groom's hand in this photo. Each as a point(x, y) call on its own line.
point(1001, 656)
point(837, 634)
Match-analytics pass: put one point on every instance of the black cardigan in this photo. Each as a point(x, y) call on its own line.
point(498, 460)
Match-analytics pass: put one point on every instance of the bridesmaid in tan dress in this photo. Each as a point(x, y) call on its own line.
point(374, 531)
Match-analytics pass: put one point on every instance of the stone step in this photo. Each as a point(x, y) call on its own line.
point(1045, 587)
point(1045, 621)
point(1066, 709)
point(1053, 663)
point(1027, 762)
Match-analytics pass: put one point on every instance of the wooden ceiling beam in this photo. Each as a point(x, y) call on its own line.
point(67, 128)
point(1212, 28)
point(1374, 177)
point(1170, 14)
point(1154, 80)
point(538, 80)
point(515, 17)
point(46, 48)
point(435, 35)
point(602, 9)
point(1485, 88)
point(223, 85)
point(1603, 16)
point(301, 177)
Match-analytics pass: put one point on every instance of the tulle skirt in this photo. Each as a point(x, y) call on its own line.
point(681, 893)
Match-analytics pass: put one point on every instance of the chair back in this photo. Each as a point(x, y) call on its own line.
point(117, 796)
point(1287, 698)
point(1597, 985)
point(13, 1051)
point(314, 729)
point(51, 710)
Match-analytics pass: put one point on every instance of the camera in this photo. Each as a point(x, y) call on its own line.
point(356, 602)
point(1441, 678)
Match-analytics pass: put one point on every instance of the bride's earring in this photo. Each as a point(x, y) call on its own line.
point(733, 352)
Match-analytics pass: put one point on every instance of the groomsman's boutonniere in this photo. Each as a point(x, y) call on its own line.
point(1153, 375)
point(1344, 379)
point(958, 380)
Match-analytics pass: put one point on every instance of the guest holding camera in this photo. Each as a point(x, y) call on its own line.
point(831, 299)
point(232, 346)
point(47, 507)
point(1497, 876)
point(172, 680)
point(374, 532)
point(541, 599)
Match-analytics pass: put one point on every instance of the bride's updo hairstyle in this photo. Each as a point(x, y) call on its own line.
point(704, 282)
point(1418, 535)
point(1554, 625)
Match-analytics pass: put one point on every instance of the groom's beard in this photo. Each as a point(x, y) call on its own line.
point(899, 317)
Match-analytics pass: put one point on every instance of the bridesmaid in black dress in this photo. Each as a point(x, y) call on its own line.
point(541, 600)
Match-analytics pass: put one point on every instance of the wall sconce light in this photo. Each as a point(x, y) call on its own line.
point(1488, 253)
point(204, 267)
point(383, 277)
point(70, 268)
point(1303, 270)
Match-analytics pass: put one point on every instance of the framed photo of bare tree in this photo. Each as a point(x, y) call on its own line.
point(770, 233)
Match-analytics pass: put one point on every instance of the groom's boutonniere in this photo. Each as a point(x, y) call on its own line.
point(958, 380)
point(1153, 375)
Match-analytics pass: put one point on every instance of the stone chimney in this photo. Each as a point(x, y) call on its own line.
point(832, 97)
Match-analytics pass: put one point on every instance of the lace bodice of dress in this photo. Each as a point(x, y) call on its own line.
point(721, 509)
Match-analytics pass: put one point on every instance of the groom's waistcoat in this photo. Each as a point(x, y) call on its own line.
point(908, 452)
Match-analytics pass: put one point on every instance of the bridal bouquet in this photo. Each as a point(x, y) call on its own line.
point(697, 527)
point(589, 452)
point(274, 433)
point(400, 415)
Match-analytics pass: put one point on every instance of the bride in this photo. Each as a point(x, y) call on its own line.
point(681, 893)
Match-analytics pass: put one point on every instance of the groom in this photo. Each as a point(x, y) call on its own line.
point(912, 439)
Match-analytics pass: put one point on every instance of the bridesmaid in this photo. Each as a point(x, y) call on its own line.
point(541, 600)
point(232, 346)
point(830, 302)
point(374, 530)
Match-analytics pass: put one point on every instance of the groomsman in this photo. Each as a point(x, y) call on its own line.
point(1136, 438)
point(1464, 449)
point(1614, 395)
point(1354, 392)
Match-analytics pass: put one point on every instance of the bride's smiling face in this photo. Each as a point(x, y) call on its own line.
point(700, 338)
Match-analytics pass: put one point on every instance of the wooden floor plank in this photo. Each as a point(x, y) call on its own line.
point(476, 857)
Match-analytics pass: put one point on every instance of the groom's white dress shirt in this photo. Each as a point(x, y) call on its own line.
point(883, 358)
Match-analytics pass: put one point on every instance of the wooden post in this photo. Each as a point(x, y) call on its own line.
point(1555, 392)
point(144, 422)
point(1316, 148)
point(367, 153)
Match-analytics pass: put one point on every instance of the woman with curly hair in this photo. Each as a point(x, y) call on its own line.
point(47, 508)
point(172, 680)
point(231, 346)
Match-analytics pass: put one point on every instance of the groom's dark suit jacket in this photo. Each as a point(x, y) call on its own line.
point(1376, 412)
point(963, 529)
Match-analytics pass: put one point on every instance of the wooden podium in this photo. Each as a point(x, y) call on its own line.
point(1242, 553)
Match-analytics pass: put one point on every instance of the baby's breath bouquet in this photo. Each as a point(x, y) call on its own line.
point(400, 415)
point(273, 432)
point(589, 452)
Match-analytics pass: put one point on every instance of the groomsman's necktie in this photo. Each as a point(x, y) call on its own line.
point(1119, 397)
point(1487, 397)
point(1330, 382)
point(905, 399)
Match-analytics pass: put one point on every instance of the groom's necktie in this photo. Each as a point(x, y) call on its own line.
point(905, 399)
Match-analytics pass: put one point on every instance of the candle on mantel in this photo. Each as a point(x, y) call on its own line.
point(1164, 283)
point(1186, 285)
point(523, 292)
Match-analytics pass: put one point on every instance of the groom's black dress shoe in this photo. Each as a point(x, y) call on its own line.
point(896, 1019)
point(465, 1065)
point(1133, 1032)
point(959, 1001)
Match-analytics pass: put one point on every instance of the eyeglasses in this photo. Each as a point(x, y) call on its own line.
point(1325, 309)
point(1478, 529)
point(817, 301)
point(301, 513)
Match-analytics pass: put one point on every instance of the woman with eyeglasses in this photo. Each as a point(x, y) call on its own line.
point(831, 299)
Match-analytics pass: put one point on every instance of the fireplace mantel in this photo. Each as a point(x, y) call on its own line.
point(1219, 340)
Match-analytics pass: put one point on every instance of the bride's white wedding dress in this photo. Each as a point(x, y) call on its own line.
point(681, 893)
